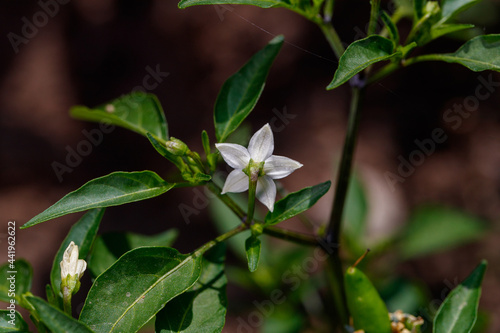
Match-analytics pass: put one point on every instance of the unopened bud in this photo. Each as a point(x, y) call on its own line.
point(176, 147)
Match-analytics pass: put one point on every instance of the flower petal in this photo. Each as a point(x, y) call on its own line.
point(266, 192)
point(235, 155)
point(261, 144)
point(278, 167)
point(236, 182)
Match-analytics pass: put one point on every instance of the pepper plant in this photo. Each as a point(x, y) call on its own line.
point(148, 281)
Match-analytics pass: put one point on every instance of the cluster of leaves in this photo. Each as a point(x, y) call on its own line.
point(137, 279)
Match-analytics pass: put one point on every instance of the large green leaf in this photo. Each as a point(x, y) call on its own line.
point(433, 229)
point(203, 307)
point(458, 313)
point(361, 54)
point(115, 189)
point(296, 203)
point(136, 287)
point(450, 8)
point(478, 54)
point(258, 3)
point(56, 320)
point(240, 92)
point(16, 280)
point(12, 322)
point(82, 234)
point(111, 246)
point(138, 112)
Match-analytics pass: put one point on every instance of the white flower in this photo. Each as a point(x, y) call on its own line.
point(259, 151)
point(71, 265)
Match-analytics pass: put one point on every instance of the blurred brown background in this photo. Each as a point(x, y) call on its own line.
point(89, 52)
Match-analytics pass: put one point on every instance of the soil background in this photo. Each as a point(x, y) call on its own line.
point(89, 52)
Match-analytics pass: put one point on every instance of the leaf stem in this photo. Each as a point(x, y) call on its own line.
point(226, 199)
point(207, 246)
point(333, 38)
point(373, 17)
point(291, 236)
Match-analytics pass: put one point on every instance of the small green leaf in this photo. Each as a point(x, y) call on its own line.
point(82, 234)
point(240, 92)
point(478, 54)
point(450, 8)
point(458, 313)
point(258, 3)
point(444, 29)
point(115, 189)
point(203, 307)
point(111, 246)
point(12, 322)
point(136, 287)
point(18, 274)
point(391, 27)
point(433, 229)
point(56, 320)
point(361, 54)
point(296, 203)
point(252, 248)
point(138, 112)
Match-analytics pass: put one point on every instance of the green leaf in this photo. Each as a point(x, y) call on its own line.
point(444, 29)
point(111, 246)
point(458, 312)
point(82, 234)
point(361, 54)
point(240, 92)
point(478, 54)
point(258, 3)
point(138, 112)
point(12, 322)
point(434, 229)
point(21, 274)
point(203, 307)
point(391, 27)
point(450, 8)
point(136, 287)
point(115, 189)
point(252, 248)
point(296, 203)
point(56, 320)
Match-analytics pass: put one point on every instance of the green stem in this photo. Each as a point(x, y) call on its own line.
point(383, 72)
point(332, 38)
point(226, 199)
point(328, 12)
point(335, 272)
point(373, 17)
point(252, 188)
point(67, 301)
point(207, 246)
point(291, 236)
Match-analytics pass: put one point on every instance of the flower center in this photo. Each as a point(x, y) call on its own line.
point(254, 170)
